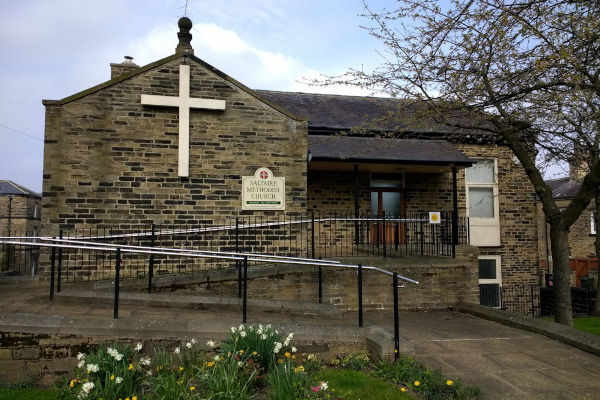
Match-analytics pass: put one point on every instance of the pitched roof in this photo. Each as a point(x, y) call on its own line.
point(338, 112)
point(10, 188)
point(156, 64)
point(563, 188)
point(381, 150)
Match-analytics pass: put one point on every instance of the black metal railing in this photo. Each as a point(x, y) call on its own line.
point(60, 248)
point(310, 235)
point(533, 300)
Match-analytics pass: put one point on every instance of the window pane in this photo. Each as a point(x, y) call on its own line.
point(481, 202)
point(487, 269)
point(374, 204)
point(392, 203)
point(482, 172)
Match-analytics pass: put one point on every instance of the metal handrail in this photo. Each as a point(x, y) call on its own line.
point(220, 228)
point(215, 255)
point(221, 255)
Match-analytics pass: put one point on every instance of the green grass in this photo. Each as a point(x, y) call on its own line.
point(588, 324)
point(354, 385)
point(28, 394)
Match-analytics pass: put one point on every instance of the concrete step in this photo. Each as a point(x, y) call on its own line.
point(172, 300)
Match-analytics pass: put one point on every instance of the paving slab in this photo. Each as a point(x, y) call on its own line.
point(505, 362)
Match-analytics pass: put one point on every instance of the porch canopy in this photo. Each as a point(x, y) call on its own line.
point(375, 153)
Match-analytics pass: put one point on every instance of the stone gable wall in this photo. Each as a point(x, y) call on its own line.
point(110, 161)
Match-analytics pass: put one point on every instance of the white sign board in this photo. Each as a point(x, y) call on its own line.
point(435, 217)
point(263, 191)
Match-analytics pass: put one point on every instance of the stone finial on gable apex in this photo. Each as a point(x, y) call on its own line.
point(185, 37)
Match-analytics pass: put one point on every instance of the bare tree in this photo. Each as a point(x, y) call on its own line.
point(529, 70)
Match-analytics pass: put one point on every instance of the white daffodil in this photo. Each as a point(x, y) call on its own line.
point(177, 350)
point(188, 345)
point(138, 347)
point(323, 385)
point(80, 356)
point(210, 344)
point(118, 380)
point(243, 333)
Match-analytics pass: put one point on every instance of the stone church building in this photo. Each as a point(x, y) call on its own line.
point(179, 140)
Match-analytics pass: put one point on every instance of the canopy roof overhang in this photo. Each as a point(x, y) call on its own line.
point(384, 154)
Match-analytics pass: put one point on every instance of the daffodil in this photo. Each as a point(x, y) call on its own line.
point(417, 383)
point(192, 388)
point(449, 383)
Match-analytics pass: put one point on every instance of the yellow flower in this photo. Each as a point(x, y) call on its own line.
point(449, 383)
point(287, 354)
point(403, 390)
point(192, 388)
point(131, 367)
point(126, 398)
point(134, 398)
point(299, 368)
point(241, 351)
point(180, 369)
point(180, 382)
point(72, 383)
point(280, 361)
point(254, 353)
point(112, 377)
point(417, 383)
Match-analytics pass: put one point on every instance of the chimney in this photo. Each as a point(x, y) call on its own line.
point(578, 165)
point(126, 66)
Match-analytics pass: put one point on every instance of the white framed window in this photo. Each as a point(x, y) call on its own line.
point(592, 223)
point(481, 185)
point(490, 280)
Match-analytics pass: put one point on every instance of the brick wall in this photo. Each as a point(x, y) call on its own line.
point(109, 161)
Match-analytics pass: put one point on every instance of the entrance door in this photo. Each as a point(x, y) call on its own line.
point(388, 201)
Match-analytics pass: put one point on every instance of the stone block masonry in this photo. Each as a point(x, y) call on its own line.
point(111, 161)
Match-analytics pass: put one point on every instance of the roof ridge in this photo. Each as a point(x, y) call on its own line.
point(328, 94)
point(21, 188)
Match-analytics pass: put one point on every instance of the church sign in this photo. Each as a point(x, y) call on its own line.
point(263, 191)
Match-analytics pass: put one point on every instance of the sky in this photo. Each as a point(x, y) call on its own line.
point(50, 49)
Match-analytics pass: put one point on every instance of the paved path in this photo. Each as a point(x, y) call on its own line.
point(506, 363)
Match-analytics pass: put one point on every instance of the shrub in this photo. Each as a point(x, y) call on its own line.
point(227, 377)
point(351, 361)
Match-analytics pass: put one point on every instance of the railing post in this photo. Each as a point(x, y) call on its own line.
point(245, 290)
point(532, 304)
point(360, 296)
point(117, 277)
point(59, 273)
point(237, 250)
point(313, 234)
point(397, 239)
point(383, 237)
point(396, 320)
point(52, 257)
point(422, 233)
point(320, 284)
point(151, 264)
point(454, 212)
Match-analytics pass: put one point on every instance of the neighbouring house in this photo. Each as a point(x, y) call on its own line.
point(19, 216)
point(582, 234)
point(178, 141)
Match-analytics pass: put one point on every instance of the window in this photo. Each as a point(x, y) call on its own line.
point(592, 223)
point(490, 281)
point(482, 203)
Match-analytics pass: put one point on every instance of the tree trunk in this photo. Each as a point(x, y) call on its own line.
point(559, 241)
point(596, 224)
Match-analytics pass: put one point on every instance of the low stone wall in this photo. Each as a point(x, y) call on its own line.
point(443, 283)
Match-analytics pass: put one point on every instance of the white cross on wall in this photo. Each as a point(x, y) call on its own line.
point(184, 102)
